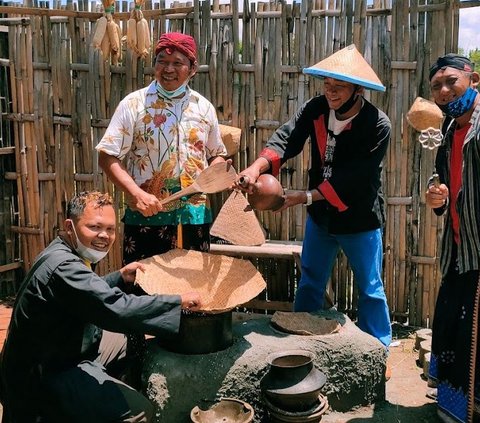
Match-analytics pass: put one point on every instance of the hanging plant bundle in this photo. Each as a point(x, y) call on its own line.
point(107, 36)
point(138, 32)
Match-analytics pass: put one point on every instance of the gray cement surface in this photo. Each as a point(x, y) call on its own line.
point(406, 400)
point(353, 362)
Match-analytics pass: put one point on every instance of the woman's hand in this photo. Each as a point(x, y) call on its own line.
point(129, 272)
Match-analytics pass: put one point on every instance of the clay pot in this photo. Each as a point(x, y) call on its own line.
point(292, 382)
point(267, 193)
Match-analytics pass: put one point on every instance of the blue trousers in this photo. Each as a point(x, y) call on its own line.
point(364, 251)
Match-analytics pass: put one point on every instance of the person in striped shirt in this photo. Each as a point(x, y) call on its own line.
point(453, 84)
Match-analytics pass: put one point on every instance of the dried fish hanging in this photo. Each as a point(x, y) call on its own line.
point(107, 36)
point(138, 31)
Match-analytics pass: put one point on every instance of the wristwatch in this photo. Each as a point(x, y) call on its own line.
point(309, 198)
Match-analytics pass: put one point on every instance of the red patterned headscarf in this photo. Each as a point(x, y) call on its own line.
point(183, 43)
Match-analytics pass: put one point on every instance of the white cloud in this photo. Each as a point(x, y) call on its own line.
point(469, 35)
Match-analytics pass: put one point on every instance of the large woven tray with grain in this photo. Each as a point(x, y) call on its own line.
point(223, 282)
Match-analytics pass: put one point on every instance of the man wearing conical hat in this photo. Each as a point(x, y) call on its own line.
point(455, 352)
point(349, 138)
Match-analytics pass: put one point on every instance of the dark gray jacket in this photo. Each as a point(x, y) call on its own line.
point(57, 317)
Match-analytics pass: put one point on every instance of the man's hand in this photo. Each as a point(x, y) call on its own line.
point(145, 203)
point(247, 178)
point(129, 272)
point(292, 198)
point(436, 197)
point(191, 301)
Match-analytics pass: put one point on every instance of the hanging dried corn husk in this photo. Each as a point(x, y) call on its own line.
point(138, 31)
point(107, 36)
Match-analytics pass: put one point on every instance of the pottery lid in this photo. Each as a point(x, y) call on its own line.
point(303, 323)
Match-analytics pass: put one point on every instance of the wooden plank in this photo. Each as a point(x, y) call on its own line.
point(7, 150)
point(275, 250)
point(26, 230)
point(403, 65)
point(10, 266)
point(170, 13)
point(257, 304)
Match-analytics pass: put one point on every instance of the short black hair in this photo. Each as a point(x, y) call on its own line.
point(76, 206)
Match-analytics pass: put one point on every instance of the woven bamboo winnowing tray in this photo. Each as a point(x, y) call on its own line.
point(302, 323)
point(223, 282)
point(237, 223)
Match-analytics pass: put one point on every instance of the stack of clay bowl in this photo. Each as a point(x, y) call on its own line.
point(291, 388)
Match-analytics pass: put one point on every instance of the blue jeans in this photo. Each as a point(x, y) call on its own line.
point(364, 251)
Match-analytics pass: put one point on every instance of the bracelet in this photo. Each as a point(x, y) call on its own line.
point(309, 198)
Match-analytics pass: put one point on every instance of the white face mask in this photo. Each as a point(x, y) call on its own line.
point(89, 254)
point(172, 94)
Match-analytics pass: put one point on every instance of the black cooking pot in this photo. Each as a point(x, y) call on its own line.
point(201, 333)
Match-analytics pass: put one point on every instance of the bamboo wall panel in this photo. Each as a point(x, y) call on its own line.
point(59, 94)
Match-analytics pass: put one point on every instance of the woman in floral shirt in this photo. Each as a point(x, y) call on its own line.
point(158, 141)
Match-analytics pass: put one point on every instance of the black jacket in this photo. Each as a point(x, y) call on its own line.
point(354, 200)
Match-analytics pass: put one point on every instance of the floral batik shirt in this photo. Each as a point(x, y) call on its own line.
point(164, 145)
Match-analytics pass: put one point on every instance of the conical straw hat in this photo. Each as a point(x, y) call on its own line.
point(223, 282)
point(424, 114)
point(237, 223)
point(347, 65)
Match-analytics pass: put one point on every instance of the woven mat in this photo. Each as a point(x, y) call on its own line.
point(223, 282)
point(237, 223)
point(302, 323)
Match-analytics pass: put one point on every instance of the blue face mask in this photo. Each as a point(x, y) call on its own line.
point(461, 105)
point(172, 94)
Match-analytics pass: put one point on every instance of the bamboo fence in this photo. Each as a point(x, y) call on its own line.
point(58, 94)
